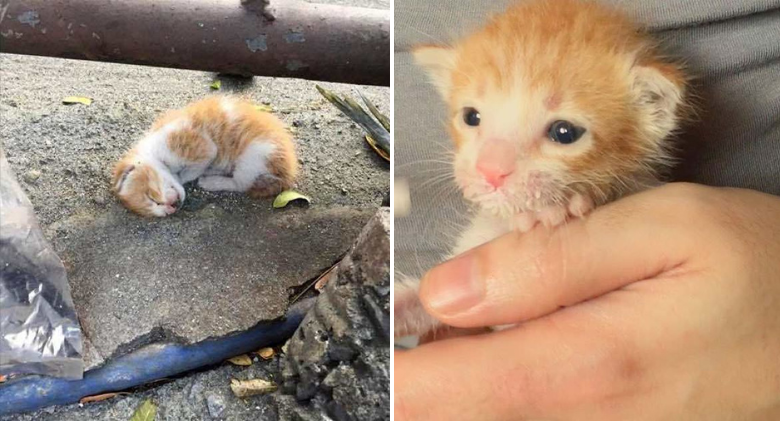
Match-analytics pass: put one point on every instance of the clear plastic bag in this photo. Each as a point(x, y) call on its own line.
point(39, 329)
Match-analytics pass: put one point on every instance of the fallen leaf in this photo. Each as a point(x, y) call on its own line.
point(146, 411)
point(376, 149)
point(375, 111)
point(285, 197)
point(241, 360)
point(266, 353)
point(97, 398)
point(264, 108)
point(252, 387)
point(77, 100)
point(216, 85)
point(323, 280)
point(3, 378)
point(318, 283)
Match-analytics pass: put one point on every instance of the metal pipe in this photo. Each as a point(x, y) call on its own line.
point(305, 40)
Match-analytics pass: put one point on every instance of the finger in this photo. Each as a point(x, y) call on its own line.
point(537, 371)
point(520, 277)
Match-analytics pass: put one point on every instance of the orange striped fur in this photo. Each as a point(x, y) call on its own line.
point(509, 84)
point(221, 141)
point(575, 60)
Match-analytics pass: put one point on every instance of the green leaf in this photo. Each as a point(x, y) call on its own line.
point(375, 111)
point(146, 411)
point(285, 197)
point(379, 134)
point(216, 85)
point(263, 108)
point(380, 152)
point(77, 100)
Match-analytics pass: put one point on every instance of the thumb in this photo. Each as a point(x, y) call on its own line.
point(521, 276)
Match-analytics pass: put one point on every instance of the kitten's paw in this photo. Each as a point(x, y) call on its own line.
point(552, 216)
point(267, 187)
point(524, 221)
point(410, 317)
point(216, 183)
point(580, 205)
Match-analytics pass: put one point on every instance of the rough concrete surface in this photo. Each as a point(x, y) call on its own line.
point(224, 261)
point(338, 361)
point(197, 276)
point(336, 365)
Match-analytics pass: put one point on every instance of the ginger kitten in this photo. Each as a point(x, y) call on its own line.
point(222, 141)
point(555, 106)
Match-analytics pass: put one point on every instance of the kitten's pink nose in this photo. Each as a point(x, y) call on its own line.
point(496, 161)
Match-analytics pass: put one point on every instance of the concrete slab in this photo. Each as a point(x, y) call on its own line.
point(201, 275)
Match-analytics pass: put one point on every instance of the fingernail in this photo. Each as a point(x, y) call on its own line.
point(453, 287)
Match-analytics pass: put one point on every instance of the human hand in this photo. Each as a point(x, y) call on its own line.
point(664, 305)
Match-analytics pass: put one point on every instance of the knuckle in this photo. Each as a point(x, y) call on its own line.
point(526, 389)
point(703, 211)
point(621, 371)
point(686, 200)
point(622, 366)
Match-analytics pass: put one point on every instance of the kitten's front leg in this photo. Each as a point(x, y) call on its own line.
point(252, 164)
point(219, 183)
point(193, 171)
point(411, 319)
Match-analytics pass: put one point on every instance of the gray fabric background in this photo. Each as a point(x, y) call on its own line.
point(731, 46)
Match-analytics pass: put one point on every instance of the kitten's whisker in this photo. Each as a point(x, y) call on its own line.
point(438, 41)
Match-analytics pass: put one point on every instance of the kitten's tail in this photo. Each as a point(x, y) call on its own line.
point(282, 169)
point(268, 187)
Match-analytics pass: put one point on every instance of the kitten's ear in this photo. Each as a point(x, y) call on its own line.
point(121, 172)
point(439, 62)
point(659, 91)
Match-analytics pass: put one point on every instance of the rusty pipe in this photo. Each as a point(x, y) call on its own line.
point(305, 40)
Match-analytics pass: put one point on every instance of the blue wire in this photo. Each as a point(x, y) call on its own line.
point(148, 364)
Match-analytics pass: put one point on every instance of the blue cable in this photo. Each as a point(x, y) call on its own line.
point(148, 364)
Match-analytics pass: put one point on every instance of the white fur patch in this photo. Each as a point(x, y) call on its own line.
point(658, 98)
point(439, 62)
point(154, 146)
point(253, 162)
point(249, 166)
point(228, 106)
point(153, 150)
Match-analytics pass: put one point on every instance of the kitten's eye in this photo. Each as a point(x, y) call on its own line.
point(471, 117)
point(150, 198)
point(564, 132)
